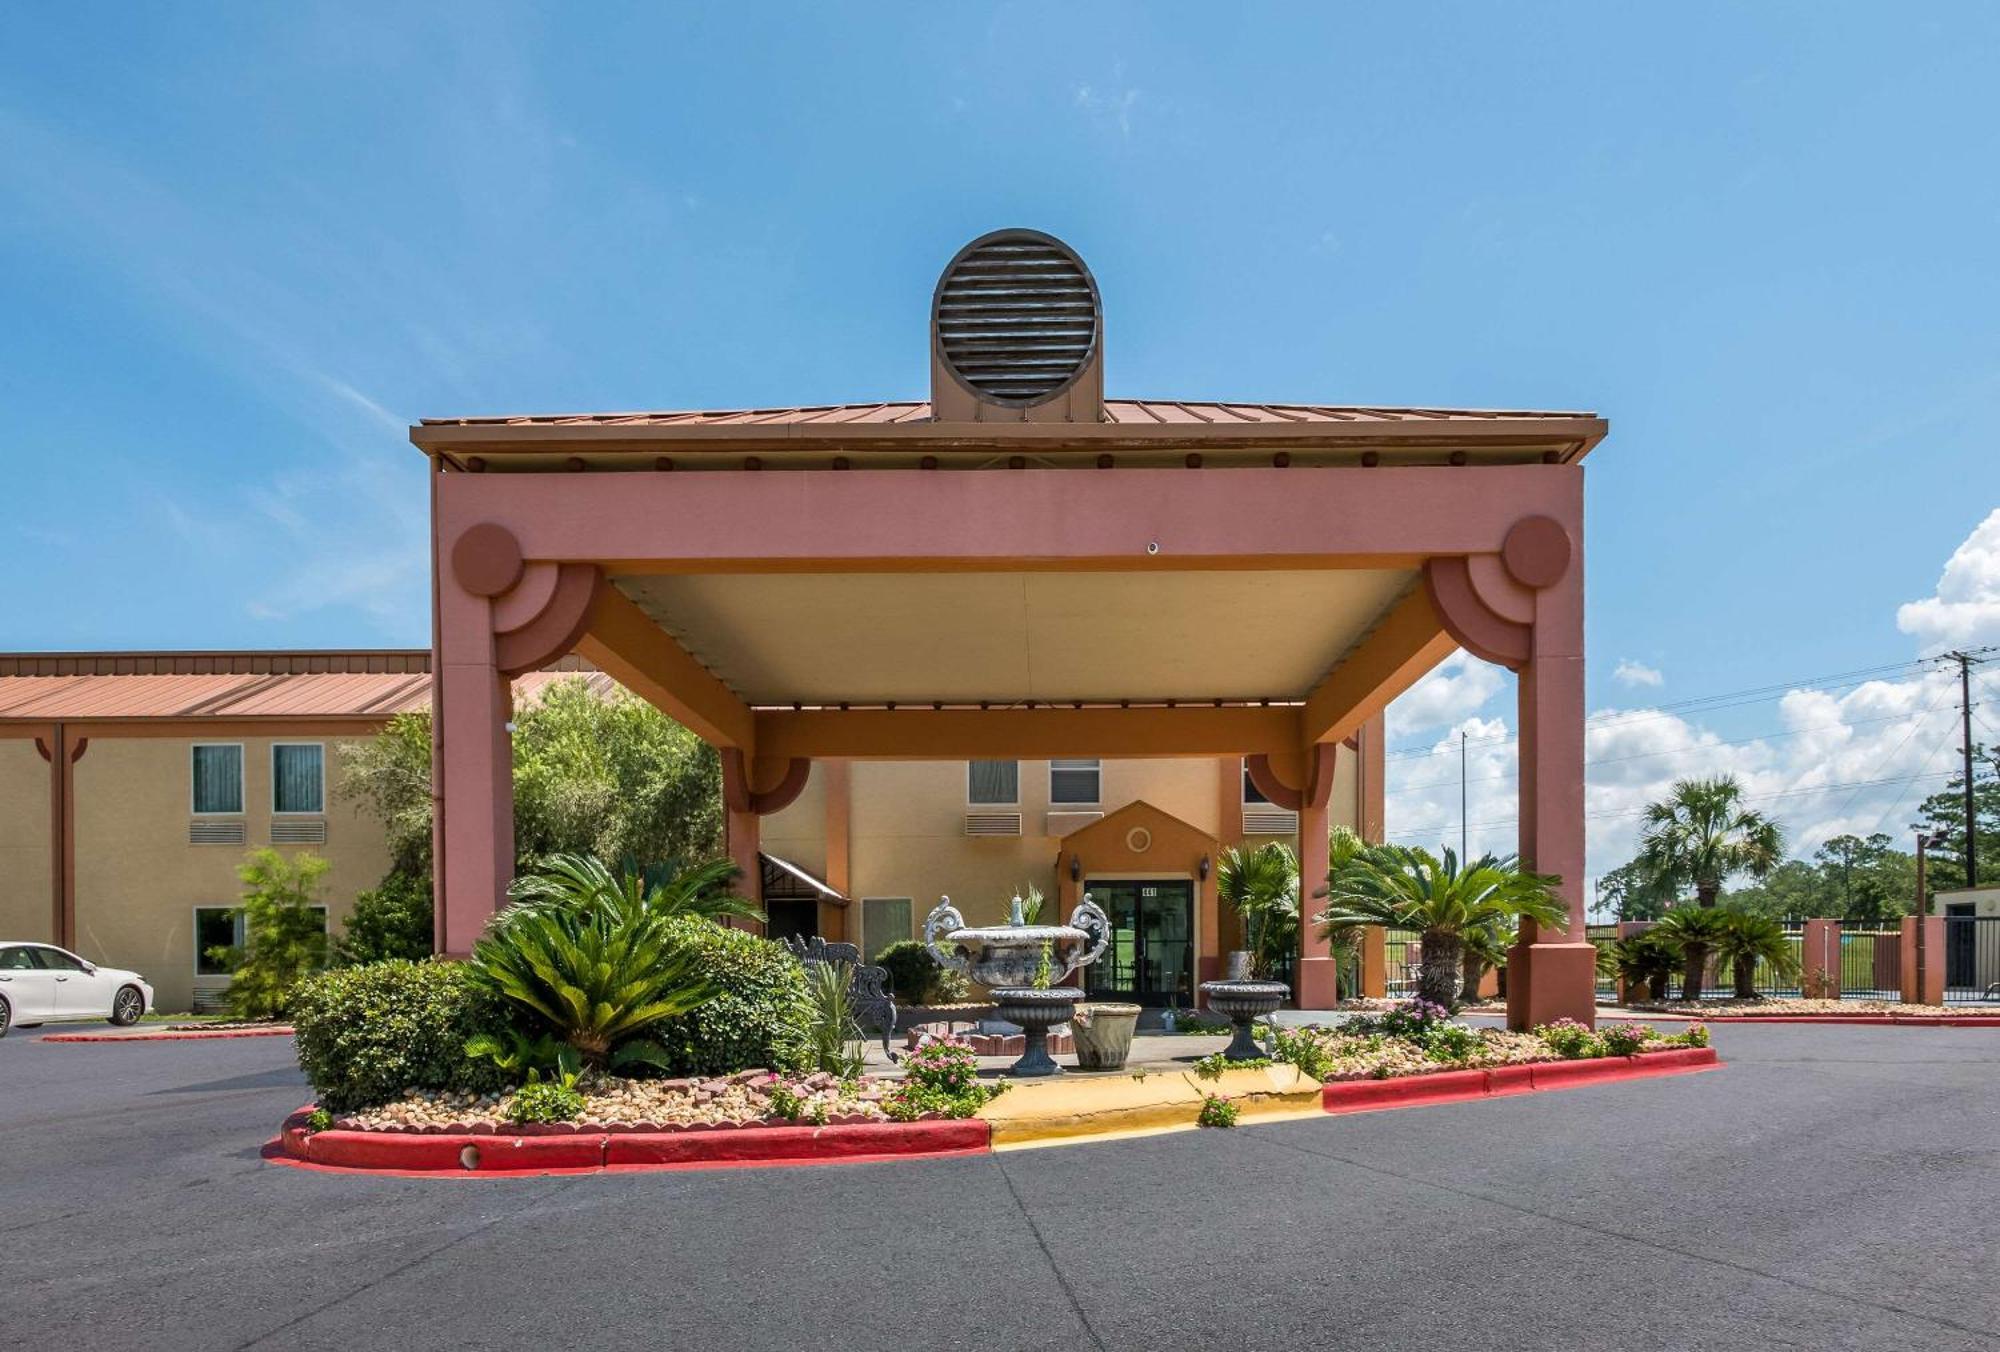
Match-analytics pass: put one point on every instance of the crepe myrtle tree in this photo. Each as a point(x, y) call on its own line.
point(1405, 887)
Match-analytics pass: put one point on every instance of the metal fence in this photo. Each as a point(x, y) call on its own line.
point(1401, 950)
point(1971, 958)
point(1607, 981)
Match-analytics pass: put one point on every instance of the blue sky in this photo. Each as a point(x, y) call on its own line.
point(238, 255)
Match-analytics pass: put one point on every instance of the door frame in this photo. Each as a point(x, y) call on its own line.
point(1193, 895)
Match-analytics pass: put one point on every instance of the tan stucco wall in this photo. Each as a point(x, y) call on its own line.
point(138, 879)
point(26, 909)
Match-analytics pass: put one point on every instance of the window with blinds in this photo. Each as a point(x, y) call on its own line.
point(993, 783)
point(1074, 783)
point(298, 777)
point(217, 771)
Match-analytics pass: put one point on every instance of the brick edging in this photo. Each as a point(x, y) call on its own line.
point(1455, 1086)
point(426, 1154)
point(187, 1036)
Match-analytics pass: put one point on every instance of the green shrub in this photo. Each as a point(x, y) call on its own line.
point(319, 1119)
point(1217, 1111)
point(1210, 1067)
point(836, 1045)
point(1450, 1042)
point(1304, 1048)
point(546, 1100)
point(1626, 1039)
point(391, 920)
point(759, 1016)
point(914, 975)
point(942, 1077)
point(365, 1034)
point(1696, 1035)
point(1570, 1040)
point(284, 932)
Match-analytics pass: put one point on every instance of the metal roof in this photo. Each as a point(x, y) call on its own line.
point(1119, 412)
point(46, 687)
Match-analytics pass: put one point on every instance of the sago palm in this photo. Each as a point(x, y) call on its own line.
point(1751, 940)
point(583, 882)
point(1408, 888)
point(1702, 835)
point(1644, 962)
point(1262, 886)
point(599, 975)
point(1695, 932)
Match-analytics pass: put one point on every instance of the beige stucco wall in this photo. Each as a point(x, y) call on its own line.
point(907, 828)
point(138, 879)
point(26, 909)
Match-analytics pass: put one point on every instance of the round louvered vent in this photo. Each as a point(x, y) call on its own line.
point(1016, 317)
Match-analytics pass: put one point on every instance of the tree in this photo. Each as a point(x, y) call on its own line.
point(1629, 893)
point(1262, 887)
point(1942, 818)
point(1695, 931)
point(393, 920)
point(1749, 940)
point(609, 776)
point(1409, 888)
point(1644, 962)
point(582, 883)
point(1702, 835)
point(284, 932)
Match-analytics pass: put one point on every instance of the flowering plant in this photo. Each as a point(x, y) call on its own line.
point(1570, 1039)
point(1626, 1039)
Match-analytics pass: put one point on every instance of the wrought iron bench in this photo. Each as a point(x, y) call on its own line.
point(874, 1007)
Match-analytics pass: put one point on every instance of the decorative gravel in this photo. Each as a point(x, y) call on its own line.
point(611, 1103)
point(1722, 1009)
point(1375, 1056)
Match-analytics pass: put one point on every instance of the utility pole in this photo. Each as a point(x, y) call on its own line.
point(1464, 829)
point(1965, 661)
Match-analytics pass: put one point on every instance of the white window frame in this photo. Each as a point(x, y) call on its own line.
point(319, 811)
point(1075, 766)
point(974, 806)
point(242, 774)
point(237, 934)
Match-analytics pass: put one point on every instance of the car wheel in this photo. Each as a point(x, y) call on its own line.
point(127, 1006)
point(6, 1017)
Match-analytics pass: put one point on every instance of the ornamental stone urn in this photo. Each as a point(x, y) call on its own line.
point(1103, 1034)
point(1024, 966)
point(1243, 1000)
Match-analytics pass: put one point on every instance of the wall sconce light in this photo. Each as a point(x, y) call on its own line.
point(1075, 868)
point(1204, 868)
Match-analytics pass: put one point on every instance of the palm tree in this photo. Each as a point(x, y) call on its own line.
point(1409, 888)
point(1262, 886)
point(582, 882)
point(1485, 946)
point(1644, 962)
point(1702, 835)
point(1695, 931)
point(1753, 939)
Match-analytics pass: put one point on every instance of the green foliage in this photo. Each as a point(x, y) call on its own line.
point(1694, 1035)
point(365, 1034)
point(1570, 1040)
point(834, 1033)
point(916, 978)
point(583, 883)
point(1626, 1039)
point(546, 1101)
point(319, 1119)
point(609, 776)
point(1942, 817)
point(1701, 835)
point(284, 932)
point(390, 775)
point(1210, 1067)
point(1302, 1048)
point(1630, 893)
point(1405, 887)
point(942, 1076)
point(1644, 962)
point(1262, 887)
point(1695, 932)
point(391, 920)
point(786, 1102)
point(596, 970)
point(759, 1015)
point(1749, 941)
point(519, 1054)
point(1451, 1042)
point(1217, 1111)
point(1195, 1023)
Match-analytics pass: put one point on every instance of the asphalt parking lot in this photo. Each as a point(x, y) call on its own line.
point(1831, 1188)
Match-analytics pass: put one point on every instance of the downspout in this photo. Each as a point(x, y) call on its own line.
point(437, 732)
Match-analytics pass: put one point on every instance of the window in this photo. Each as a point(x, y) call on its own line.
point(218, 778)
point(884, 921)
point(1074, 783)
point(298, 777)
point(221, 927)
point(17, 960)
point(1251, 794)
point(55, 960)
point(993, 783)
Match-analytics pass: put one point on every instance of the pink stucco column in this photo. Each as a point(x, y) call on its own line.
point(1552, 974)
point(1318, 983)
point(1819, 960)
point(473, 777)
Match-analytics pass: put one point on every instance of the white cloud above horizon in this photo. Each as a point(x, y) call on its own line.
point(1849, 757)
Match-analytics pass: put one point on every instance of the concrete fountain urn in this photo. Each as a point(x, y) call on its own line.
point(1243, 1000)
point(1024, 966)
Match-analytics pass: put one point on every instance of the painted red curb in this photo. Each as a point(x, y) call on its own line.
point(1457, 1086)
point(166, 1037)
point(417, 1154)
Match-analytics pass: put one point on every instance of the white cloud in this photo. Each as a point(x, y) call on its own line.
point(1852, 758)
point(1966, 606)
point(1629, 672)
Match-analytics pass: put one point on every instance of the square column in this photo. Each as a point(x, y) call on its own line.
point(1553, 974)
point(472, 772)
point(1318, 972)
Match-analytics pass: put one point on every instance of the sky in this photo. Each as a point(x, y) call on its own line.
point(241, 250)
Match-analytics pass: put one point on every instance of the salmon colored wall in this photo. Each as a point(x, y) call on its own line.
point(25, 906)
point(138, 879)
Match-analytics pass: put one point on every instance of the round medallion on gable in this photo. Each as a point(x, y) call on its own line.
point(1138, 840)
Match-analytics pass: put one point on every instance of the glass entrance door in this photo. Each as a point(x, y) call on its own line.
point(1150, 959)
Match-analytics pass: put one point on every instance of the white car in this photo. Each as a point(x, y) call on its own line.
point(40, 982)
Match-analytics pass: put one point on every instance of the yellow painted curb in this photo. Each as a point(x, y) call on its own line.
point(1069, 1108)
